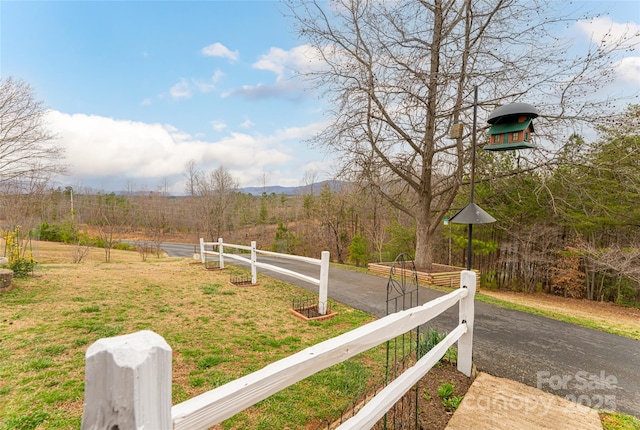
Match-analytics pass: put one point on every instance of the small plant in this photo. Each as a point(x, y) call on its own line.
point(452, 402)
point(445, 391)
point(425, 394)
point(144, 250)
point(80, 251)
point(449, 401)
point(451, 355)
point(20, 258)
point(430, 339)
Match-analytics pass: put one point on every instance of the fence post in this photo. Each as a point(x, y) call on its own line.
point(465, 343)
point(220, 253)
point(128, 383)
point(202, 258)
point(324, 283)
point(254, 274)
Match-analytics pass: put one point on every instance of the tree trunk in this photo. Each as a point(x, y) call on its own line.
point(424, 248)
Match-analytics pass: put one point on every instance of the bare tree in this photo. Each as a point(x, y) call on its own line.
point(193, 175)
point(215, 192)
point(26, 146)
point(156, 220)
point(113, 217)
point(399, 73)
point(375, 213)
point(309, 180)
point(22, 205)
point(333, 209)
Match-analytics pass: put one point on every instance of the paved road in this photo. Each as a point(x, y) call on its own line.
point(596, 369)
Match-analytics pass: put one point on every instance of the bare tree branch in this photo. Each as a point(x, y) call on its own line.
point(26, 146)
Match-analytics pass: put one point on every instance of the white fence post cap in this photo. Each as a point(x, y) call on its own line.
point(129, 349)
point(128, 383)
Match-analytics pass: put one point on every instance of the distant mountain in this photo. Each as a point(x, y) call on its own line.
point(277, 189)
point(291, 191)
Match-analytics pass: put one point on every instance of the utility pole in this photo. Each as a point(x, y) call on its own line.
point(72, 211)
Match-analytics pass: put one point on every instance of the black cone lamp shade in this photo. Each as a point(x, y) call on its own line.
point(472, 214)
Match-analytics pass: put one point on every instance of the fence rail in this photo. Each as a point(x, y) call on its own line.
point(106, 398)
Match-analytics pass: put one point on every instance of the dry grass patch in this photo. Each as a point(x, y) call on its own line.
point(218, 332)
point(605, 316)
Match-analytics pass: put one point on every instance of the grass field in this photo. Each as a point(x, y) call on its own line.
point(218, 332)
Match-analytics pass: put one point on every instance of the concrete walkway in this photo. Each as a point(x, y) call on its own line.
point(494, 403)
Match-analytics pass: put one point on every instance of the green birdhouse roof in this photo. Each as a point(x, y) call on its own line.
point(510, 127)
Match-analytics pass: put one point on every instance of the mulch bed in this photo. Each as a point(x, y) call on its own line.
point(311, 313)
point(433, 414)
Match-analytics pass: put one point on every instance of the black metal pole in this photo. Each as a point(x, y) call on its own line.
point(473, 171)
point(469, 246)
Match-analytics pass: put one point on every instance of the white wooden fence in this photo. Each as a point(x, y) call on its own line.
point(322, 282)
point(128, 378)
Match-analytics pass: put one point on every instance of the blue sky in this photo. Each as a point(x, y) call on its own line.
point(137, 89)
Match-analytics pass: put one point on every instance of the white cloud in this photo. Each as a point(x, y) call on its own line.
point(606, 33)
point(101, 147)
point(283, 63)
point(298, 133)
point(629, 69)
point(217, 75)
point(281, 89)
point(219, 50)
point(219, 125)
point(288, 67)
point(184, 88)
point(603, 31)
point(180, 90)
point(247, 124)
point(274, 61)
point(203, 86)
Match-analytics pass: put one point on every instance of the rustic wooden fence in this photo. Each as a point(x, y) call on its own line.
point(128, 378)
point(442, 274)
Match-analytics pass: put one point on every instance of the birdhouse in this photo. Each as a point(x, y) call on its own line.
point(511, 127)
point(456, 130)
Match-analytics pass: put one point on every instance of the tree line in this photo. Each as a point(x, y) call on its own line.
point(571, 229)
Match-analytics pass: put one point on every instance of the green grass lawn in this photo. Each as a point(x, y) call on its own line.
point(218, 332)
